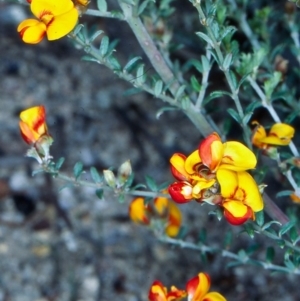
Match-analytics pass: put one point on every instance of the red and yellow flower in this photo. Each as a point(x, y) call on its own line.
point(241, 196)
point(162, 209)
point(158, 292)
point(202, 177)
point(280, 134)
point(198, 289)
point(33, 124)
point(54, 19)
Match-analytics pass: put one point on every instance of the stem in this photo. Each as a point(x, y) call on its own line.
point(225, 253)
point(103, 186)
point(98, 13)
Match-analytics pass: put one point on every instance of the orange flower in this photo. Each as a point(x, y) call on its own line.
point(33, 124)
point(158, 292)
point(279, 134)
point(296, 196)
point(162, 208)
point(197, 289)
point(54, 18)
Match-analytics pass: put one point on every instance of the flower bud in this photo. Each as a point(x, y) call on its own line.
point(124, 172)
point(110, 178)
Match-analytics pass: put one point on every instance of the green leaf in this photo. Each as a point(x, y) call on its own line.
point(246, 118)
point(270, 253)
point(158, 88)
point(195, 84)
point(252, 106)
point(215, 94)
point(249, 230)
point(95, 175)
point(293, 234)
point(77, 29)
point(95, 35)
point(205, 64)
point(233, 80)
point(140, 75)
point(99, 193)
point(286, 227)
point(151, 183)
point(102, 5)
point(143, 6)
point(284, 193)
point(132, 91)
point(129, 181)
point(271, 84)
point(128, 67)
point(234, 114)
point(89, 59)
point(259, 217)
point(59, 163)
point(180, 92)
point(114, 63)
point(206, 38)
point(104, 46)
point(77, 170)
point(164, 109)
point(36, 171)
point(227, 61)
point(269, 224)
point(164, 185)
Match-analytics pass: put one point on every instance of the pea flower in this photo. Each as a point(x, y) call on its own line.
point(34, 131)
point(241, 196)
point(162, 209)
point(197, 289)
point(280, 134)
point(295, 196)
point(54, 19)
point(197, 172)
point(33, 125)
point(158, 292)
point(202, 176)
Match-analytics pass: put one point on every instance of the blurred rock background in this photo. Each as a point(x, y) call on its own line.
point(67, 245)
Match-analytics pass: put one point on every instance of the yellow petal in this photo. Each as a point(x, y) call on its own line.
point(32, 31)
point(280, 134)
point(192, 162)
point(161, 205)
point(55, 7)
point(213, 296)
point(236, 208)
point(258, 134)
point(174, 220)
point(62, 25)
point(237, 157)
point(228, 181)
point(177, 165)
point(252, 197)
point(198, 287)
point(138, 211)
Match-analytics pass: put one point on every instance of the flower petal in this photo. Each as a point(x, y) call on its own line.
point(198, 287)
point(236, 213)
point(32, 124)
point(62, 25)
point(211, 151)
point(161, 205)
point(56, 8)
point(32, 31)
point(177, 167)
point(138, 211)
point(174, 220)
point(214, 296)
point(259, 133)
point(192, 162)
point(237, 157)
point(252, 197)
point(228, 181)
point(181, 192)
point(157, 292)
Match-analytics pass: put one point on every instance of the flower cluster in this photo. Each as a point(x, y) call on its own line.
point(54, 19)
point(215, 173)
point(161, 209)
point(197, 289)
point(34, 131)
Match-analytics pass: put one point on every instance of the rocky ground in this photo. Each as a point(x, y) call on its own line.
point(63, 245)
